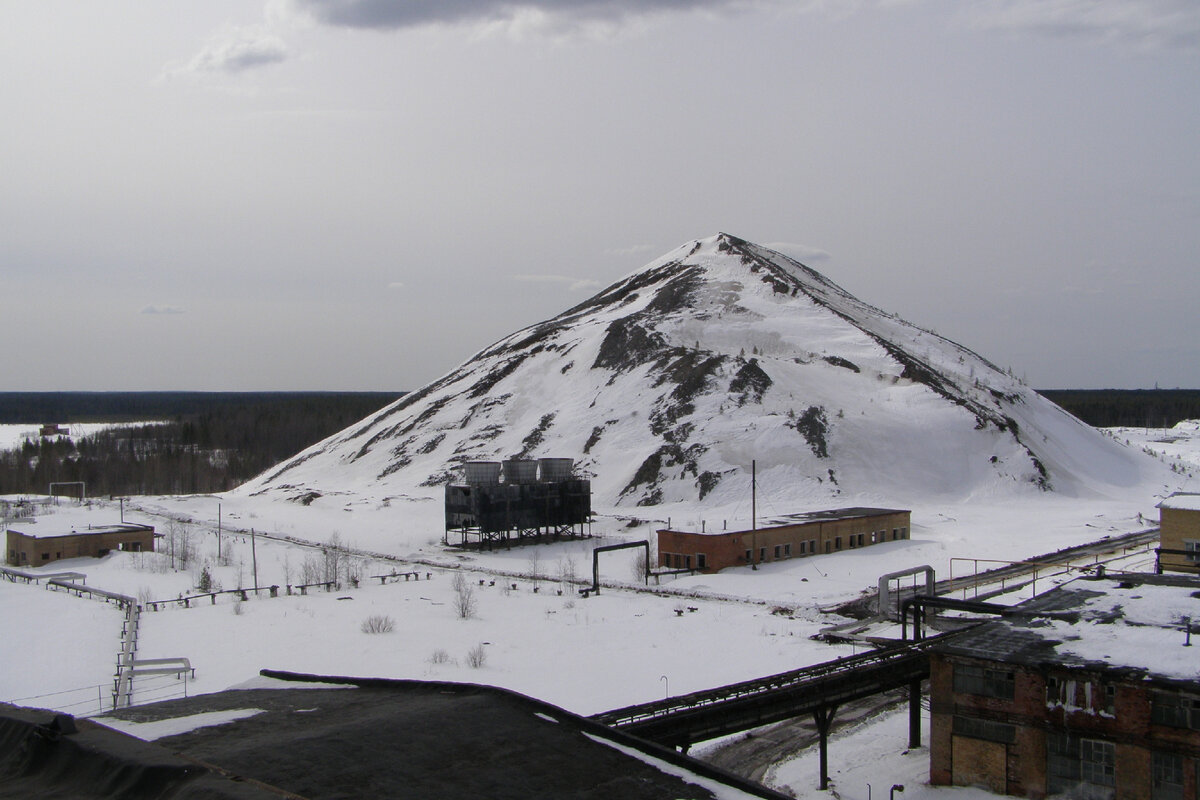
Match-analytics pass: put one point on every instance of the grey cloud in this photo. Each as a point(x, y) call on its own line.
point(1152, 23)
point(236, 50)
point(162, 310)
point(390, 14)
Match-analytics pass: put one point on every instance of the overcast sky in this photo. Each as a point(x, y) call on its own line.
point(359, 194)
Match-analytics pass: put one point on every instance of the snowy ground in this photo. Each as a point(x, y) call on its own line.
point(625, 646)
point(13, 436)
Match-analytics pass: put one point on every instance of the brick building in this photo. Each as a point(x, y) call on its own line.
point(794, 536)
point(37, 543)
point(1179, 526)
point(1090, 691)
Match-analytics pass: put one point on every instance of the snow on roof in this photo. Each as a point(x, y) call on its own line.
point(804, 517)
point(1182, 501)
point(28, 528)
point(1125, 622)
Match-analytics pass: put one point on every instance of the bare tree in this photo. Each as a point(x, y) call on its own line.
point(311, 570)
point(535, 565)
point(464, 596)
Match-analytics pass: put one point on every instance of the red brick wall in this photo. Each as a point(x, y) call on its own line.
point(1128, 726)
point(723, 550)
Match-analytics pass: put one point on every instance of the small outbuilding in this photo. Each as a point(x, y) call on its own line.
point(794, 536)
point(33, 544)
point(1179, 526)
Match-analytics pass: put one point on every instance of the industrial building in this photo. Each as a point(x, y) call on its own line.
point(385, 738)
point(1091, 690)
point(794, 536)
point(1179, 527)
point(35, 543)
point(501, 502)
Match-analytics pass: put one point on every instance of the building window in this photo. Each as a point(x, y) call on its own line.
point(762, 554)
point(45, 556)
point(1166, 777)
point(851, 542)
point(748, 553)
point(803, 548)
point(1175, 710)
point(787, 550)
point(1079, 695)
point(1083, 768)
point(1192, 547)
point(903, 533)
point(812, 546)
point(837, 543)
point(701, 561)
point(985, 729)
point(687, 562)
point(895, 534)
point(983, 681)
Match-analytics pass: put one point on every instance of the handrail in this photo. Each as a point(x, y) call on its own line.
point(771, 683)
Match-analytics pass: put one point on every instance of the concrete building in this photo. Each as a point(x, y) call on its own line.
point(1179, 526)
point(1090, 690)
point(32, 544)
point(794, 536)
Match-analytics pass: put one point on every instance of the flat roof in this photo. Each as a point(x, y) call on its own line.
point(25, 529)
point(804, 517)
point(352, 738)
point(1132, 623)
point(1182, 501)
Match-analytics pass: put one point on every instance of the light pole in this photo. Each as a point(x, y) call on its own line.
point(667, 690)
point(896, 787)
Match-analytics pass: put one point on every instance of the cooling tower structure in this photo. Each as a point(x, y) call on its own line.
point(516, 500)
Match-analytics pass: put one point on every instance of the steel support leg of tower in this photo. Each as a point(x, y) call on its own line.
point(914, 713)
point(823, 717)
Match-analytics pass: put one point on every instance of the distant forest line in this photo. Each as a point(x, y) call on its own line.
point(214, 441)
point(1129, 408)
point(203, 442)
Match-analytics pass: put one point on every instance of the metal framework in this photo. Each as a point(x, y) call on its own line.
point(81, 484)
point(486, 515)
point(818, 690)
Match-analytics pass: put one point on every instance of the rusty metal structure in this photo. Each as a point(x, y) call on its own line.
point(499, 503)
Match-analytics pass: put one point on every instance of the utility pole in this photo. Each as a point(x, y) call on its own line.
point(254, 561)
point(218, 533)
point(754, 514)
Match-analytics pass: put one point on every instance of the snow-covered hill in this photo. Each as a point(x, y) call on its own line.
point(667, 384)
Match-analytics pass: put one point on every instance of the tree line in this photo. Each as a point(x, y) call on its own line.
point(1130, 408)
point(207, 443)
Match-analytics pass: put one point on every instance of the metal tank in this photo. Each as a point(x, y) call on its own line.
point(520, 470)
point(481, 472)
point(553, 470)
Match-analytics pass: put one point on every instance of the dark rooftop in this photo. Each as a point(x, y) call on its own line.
point(384, 738)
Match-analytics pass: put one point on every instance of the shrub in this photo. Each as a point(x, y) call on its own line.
point(378, 623)
point(464, 597)
point(439, 656)
point(476, 656)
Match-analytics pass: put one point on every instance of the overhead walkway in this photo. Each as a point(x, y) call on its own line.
point(818, 690)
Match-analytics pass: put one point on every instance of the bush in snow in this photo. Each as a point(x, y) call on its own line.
point(378, 623)
point(476, 656)
point(464, 597)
